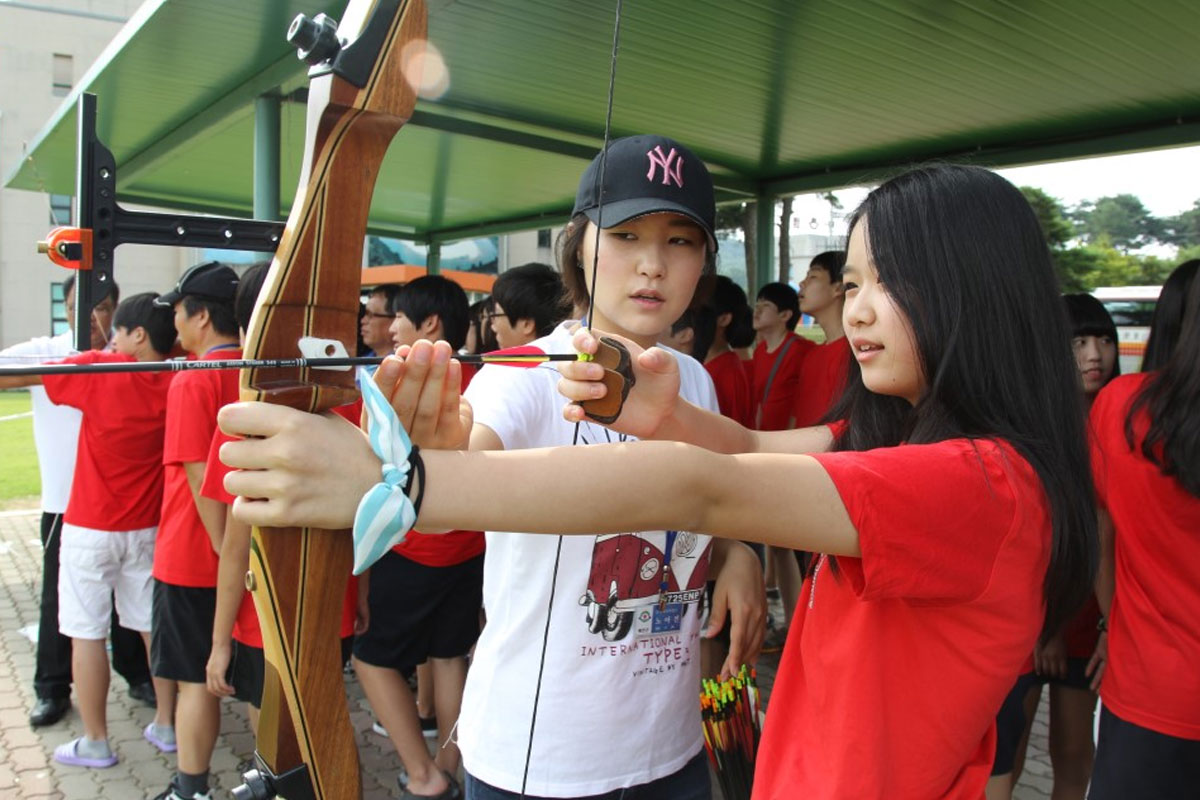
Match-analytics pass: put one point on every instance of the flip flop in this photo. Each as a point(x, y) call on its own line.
point(164, 747)
point(69, 754)
point(451, 792)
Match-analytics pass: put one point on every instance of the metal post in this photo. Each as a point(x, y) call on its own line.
point(433, 261)
point(764, 241)
point(266, 156)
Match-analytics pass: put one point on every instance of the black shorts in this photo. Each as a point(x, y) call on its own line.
point(419, 612)
point(246, 673)
point(248, 666)
point(1132, 761)
point(181, 631)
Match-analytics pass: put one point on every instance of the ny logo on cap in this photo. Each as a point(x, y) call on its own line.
point(671, 163)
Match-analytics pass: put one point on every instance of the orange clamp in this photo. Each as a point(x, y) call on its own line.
point(68, 247)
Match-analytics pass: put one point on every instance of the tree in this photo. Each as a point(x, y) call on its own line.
point(1183, 229)
point(1051, 215)
point(1122, 219)
point(740, 216)
point(785, 240)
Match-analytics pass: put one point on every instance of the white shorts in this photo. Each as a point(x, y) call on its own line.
point(93, 566)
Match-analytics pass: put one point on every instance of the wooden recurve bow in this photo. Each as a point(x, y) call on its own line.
point(359, 98)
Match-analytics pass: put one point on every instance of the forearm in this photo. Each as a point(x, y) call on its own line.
point(1106, 572)
point(211, 512)
point(783, 500)
point(18, 381)
point(231, 571)
point(702, 428)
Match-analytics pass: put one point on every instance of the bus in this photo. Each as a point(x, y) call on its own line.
point(1132, 308)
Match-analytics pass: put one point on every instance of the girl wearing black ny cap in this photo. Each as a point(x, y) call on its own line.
point(616, 703)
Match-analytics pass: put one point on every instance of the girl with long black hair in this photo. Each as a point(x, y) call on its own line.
point(953, 503)
point(1146, 463)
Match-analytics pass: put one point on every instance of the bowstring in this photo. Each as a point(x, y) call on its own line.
point(612, 80)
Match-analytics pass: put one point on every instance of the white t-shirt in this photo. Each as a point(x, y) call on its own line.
point(619, 697)
point(55, 428)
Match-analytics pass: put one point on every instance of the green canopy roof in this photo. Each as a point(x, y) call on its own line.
point(778, 96)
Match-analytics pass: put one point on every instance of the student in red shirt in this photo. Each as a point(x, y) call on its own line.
point(189, 536)
point(236, 664)
point(954, 502)
point(775, 382)
point(777, 357)
point(527, 302)
point(1146, 462)
point(1064, 661)
point(423, 597)
point(109, 526)
point(730, 318)
point(823, 373)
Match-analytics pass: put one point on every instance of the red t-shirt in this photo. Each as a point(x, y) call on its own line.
point(896, 662)
point(245, 627)
point(444, 549)
point(183, 552)
point(822, 378)
point(118, 481)
point(1152, 678)
point(733, 387)
point(775, 413)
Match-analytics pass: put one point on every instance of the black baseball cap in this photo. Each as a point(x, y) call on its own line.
point(647, 175)
point(211, 280)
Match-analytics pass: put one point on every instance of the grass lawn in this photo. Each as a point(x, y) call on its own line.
point(19, 480)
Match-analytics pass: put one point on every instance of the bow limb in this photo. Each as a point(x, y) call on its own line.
point(358, 99)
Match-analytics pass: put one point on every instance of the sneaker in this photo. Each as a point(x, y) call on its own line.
point(429, 727)
point(69, 754)
point(163, 745)
point(172, 793)
point(377, 726)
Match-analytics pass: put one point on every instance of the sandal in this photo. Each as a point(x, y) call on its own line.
point(451, 792)
point(163, 746)
point(69, 754)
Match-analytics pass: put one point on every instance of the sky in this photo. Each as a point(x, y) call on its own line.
point(1163, 179)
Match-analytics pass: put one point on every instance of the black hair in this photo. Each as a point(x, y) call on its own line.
point(388, 292)
point(220, 312)
point(139, 311)
point(1168, 315)
point(435, 294)
point(485, 337)
point(246, 295)
point(1088, 317)
point(729, 298)
point(532, 291)
point(569, 247)
point(962, 256)
point(832, 261)
point(110, 289)
point(1170, 397)
point(785, 298)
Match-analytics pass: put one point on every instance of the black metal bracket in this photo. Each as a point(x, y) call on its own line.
point(318, 45)
point(261, 784)
point(112, 225)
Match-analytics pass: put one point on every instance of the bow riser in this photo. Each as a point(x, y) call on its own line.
point(312, 290)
